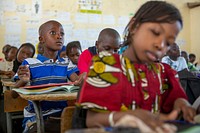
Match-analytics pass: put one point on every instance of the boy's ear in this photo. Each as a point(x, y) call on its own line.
point(41, 39)
point(96, 43)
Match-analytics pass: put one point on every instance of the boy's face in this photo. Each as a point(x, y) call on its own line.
point(174, 51)
point(109, 44)
point(192, 59)
point(52, 36)
point(151, 41)
point(12, 54)
point(74, 54)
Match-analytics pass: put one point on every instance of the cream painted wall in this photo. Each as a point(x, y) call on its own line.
point(51, 9)
point(195, 32)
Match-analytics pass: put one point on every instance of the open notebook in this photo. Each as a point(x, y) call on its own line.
point(47, 88)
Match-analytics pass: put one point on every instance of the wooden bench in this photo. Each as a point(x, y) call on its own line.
point(14, 108)
point(66, 118)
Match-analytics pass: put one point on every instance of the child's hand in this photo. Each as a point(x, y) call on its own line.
point(185, 108)
point(154, 121)
point(80, 79)
point(24, 73)
point(10, 74)
point(188, 113)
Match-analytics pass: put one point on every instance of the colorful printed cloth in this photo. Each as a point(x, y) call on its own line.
point(114, 83)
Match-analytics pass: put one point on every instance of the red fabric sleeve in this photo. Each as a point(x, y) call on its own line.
point(84, 61)
point(174, 91)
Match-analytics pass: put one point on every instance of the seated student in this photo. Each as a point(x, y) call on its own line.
point(133, 84)
point(191, 67)
point(5, 50)
point(50, 69)
point(108, 40)
point(73, 51)
point(7, 65)
point(26, 50)
point(62, 52)
point(192, 58)
point(174, 59)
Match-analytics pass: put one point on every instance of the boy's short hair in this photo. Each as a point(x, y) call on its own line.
point(191, 55)
point(41, 28)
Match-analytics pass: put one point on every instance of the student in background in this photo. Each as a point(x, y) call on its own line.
point(62, 52)
point(26, 50)
point(73, 51)
point(192, 58)
point(174, 59)
point(132, 85)
point(50, 69)
point(5, 50)
point(108, 40)
point(7, 65)
point(191, 67)
point(12, 53)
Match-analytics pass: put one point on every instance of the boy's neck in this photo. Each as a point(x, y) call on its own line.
point(50, 54)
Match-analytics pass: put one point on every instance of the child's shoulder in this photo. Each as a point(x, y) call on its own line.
point(31, 61)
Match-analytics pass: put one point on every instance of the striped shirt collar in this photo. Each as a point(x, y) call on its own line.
point(45, 59)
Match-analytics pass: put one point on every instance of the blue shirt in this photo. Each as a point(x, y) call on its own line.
point(44, 70)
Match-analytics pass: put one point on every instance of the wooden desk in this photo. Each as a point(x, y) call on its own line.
point(58, 96)
point(7, 83)
point(13, 107)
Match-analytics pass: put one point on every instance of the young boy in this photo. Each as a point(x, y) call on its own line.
point(108, 40)
point(174, 59)
point(47, 68)
point(6, 66)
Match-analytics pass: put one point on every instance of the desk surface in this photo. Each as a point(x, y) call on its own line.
point(88, 130)
point(7, 82)
point(55, 96)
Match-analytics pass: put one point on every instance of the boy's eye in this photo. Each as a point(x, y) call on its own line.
point(62, 33)
point(52, 32)
point(155, 32)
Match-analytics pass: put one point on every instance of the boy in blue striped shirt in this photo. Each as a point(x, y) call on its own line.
point(47, 68)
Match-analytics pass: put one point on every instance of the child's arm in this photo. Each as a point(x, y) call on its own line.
point(96, 119)
point(184, 106)
point(78, 80)
point(10, 74)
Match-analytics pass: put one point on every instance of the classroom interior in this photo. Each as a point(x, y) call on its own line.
point(82, 21)
point(20, 19)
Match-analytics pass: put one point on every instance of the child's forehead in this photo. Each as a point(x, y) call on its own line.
point(51, 25)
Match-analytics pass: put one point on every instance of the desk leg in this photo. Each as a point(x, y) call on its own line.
point(39, 116)
point(9, 122)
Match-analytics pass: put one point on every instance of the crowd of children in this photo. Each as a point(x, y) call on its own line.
point(116, 89)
